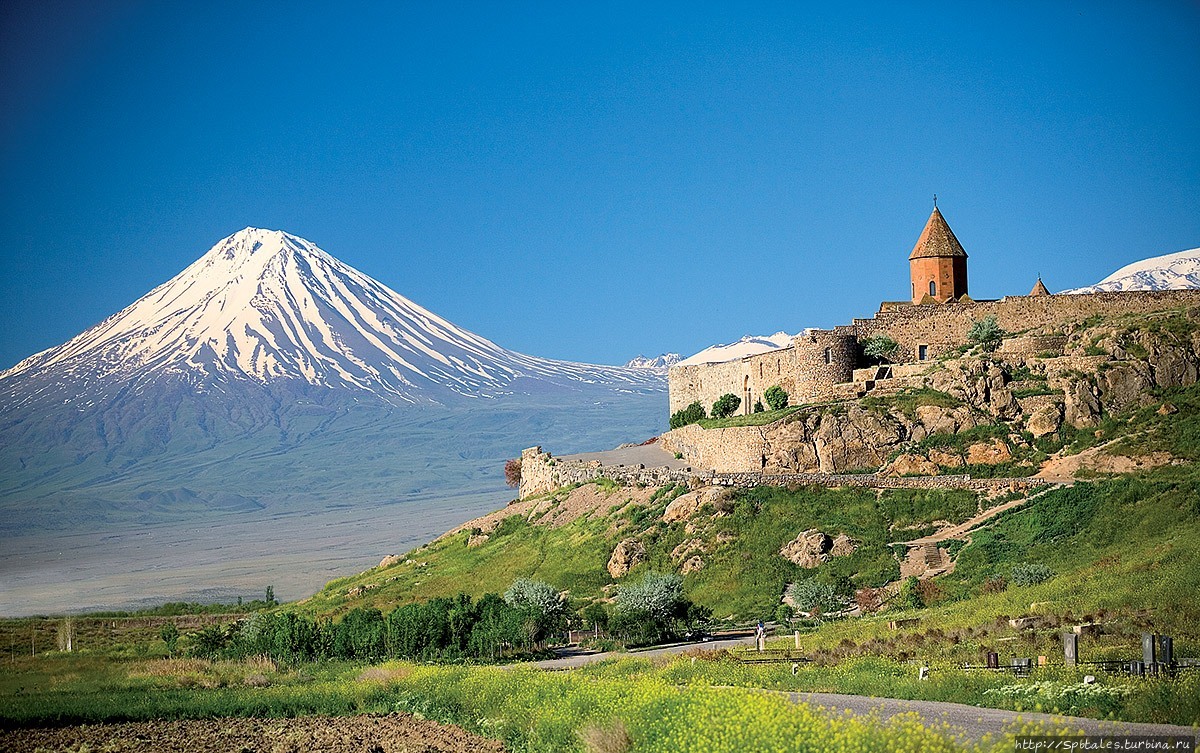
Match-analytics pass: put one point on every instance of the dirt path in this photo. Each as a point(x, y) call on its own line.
point(958, 531)
point(394, 733)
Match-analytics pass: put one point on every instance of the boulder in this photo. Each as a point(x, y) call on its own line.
point(1081, 408)
point(694, 564)
point(1045, 420)
point(390, 560)
point(911, 465)
point(687, 505)
point(627, 555)
point(477, 540)
point(808, 550)
point(988, 453)
point(945, 458)
point(842, 546)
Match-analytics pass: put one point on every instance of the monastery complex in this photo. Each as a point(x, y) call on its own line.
point(823, 365)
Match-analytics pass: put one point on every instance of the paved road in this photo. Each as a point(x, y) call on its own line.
point(573, 660)
point(966, 722)
point(973, 722)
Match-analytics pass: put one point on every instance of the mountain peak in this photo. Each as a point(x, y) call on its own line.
point(267, 306)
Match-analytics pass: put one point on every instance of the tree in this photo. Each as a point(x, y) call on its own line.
point(271, 596)
point(512, 472)
point(689, 415)
point(655, 608)
point(170, 636)
point(776, 397)
point(815, 597)
point(540, 604)
point(880, 348)
point(986, 333)
point(725, 405)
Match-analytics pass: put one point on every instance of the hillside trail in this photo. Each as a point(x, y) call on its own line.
point(966, 527)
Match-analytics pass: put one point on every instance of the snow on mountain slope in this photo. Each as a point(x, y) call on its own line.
point(267, 306)
point(1178, 271)
point(664, 361)
point(749, 345)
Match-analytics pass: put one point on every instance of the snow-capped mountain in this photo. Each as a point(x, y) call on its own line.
point(271, 308)
point(1178, 271)
point(750, 345)
point(270, 382)
point(664, 361)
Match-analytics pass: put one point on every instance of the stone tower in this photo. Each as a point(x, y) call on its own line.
point(938, 264)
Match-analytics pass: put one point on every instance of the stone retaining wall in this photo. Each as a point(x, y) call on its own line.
point(547, 473)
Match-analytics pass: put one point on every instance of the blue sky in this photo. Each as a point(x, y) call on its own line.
point(592, 181)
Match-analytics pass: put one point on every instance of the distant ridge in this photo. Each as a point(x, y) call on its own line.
point(1177, 271)
point(749, 345)
point(664, 361)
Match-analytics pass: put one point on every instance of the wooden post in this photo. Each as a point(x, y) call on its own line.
point(797, 639)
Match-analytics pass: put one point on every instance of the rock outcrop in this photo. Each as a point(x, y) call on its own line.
point(813, 547)
point(627, 555)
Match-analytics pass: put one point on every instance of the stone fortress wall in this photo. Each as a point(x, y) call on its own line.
point(541, 472)
point(819, 364)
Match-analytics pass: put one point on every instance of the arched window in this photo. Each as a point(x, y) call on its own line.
point(829, 355)
point(932, 288)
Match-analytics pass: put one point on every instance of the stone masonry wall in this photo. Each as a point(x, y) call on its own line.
point(943, 327)
point(808, 376)
point(541, 472)
point(806, 370)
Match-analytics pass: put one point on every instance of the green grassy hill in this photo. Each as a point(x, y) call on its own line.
point(1122, 550)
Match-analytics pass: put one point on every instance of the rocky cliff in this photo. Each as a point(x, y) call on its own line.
point(1007, 407)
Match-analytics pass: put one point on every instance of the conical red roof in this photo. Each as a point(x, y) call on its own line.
point(937, 240)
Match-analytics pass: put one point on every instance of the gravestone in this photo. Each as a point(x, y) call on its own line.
point(1148, 650)
point(1021, 666)
point(1070, 649)
point(1166, 650)
point(993, 660)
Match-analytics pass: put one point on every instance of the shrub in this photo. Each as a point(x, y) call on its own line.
point(512, 472)
point(689, 415)
point(815, 597)
point(758, 406)
point(910, 594)
point(995, 584)
point(1030, 574)
point(170, 636)
point(986, 333)
point(776, 397)
point(725, 405)
point(880, 348)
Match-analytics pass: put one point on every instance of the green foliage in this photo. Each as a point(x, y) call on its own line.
point(758, 406)
point(726, 405)
point(689, 415)
point(170, 636)
point(910, 594)
point(880, 348)
point(1030, 574)
point(654, 609)
point(753, 419)
point(776, 397)
point(815, 597)
point(908, 400)
point(986, 334)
